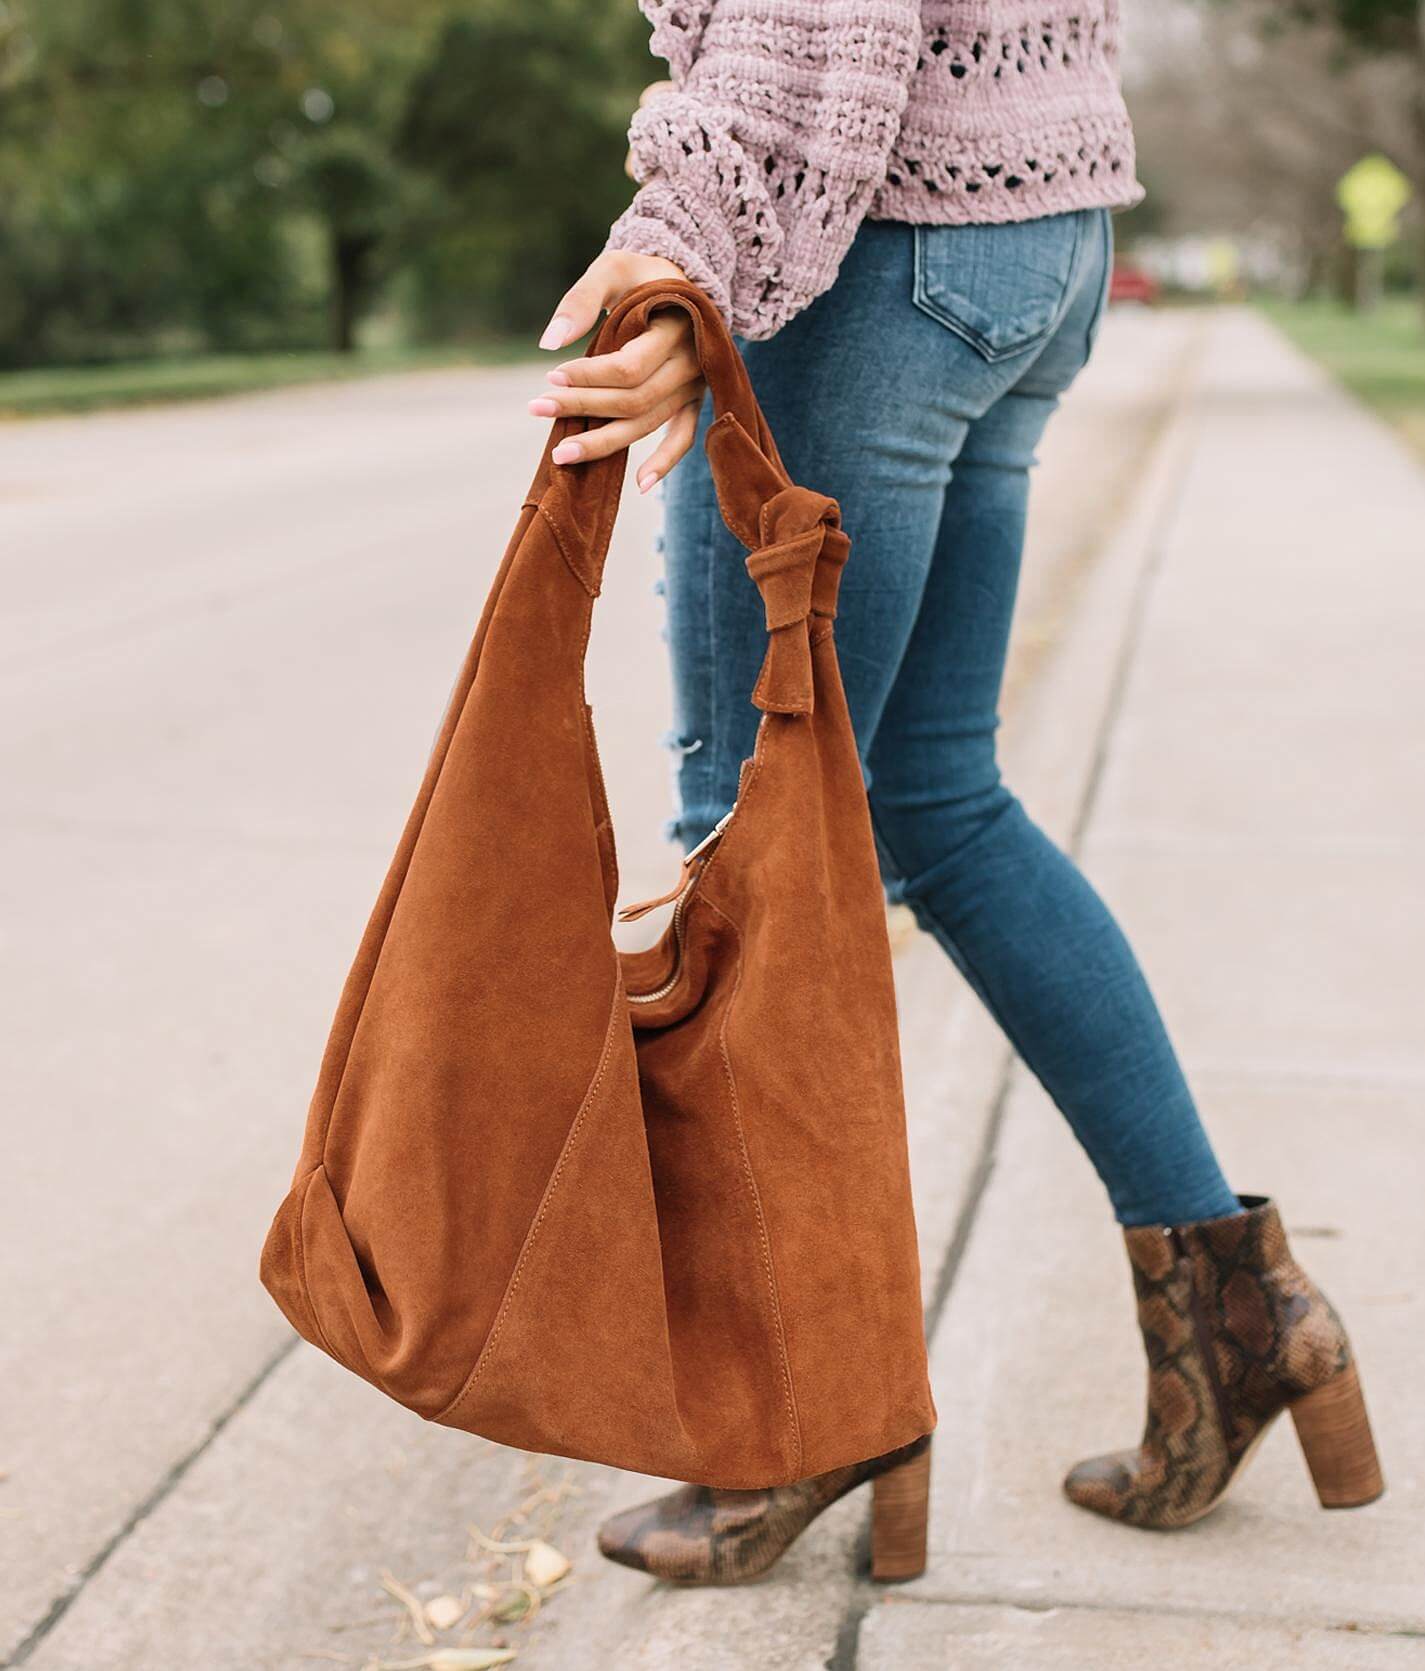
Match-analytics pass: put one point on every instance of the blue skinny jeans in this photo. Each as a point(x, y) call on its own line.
point(915, 392)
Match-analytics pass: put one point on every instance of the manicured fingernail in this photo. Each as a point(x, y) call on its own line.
point(543, 407)
point(647, 479)
point(567, 452)
point(560, 379)
point(556, 332)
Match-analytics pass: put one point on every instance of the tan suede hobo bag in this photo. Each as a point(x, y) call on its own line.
point(651, 1209)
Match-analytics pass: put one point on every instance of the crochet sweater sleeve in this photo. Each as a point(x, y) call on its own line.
point(757, 170)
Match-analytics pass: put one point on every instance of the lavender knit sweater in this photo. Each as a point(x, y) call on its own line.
point(794, 120)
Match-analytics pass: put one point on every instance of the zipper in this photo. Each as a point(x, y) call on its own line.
point(1202, 1332)
point(697, 852)
point(672, 981)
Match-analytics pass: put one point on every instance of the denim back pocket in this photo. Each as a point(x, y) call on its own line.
point(1002, 288)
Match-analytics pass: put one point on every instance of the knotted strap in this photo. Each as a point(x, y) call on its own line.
point(797, 551)
point(797, 568)
point(793, 535)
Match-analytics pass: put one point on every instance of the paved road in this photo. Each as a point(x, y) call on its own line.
point(228, 633)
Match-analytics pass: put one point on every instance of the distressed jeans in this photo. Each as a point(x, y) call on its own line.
point(914, 392)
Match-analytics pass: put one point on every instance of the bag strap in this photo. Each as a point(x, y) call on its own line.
point(793, 536)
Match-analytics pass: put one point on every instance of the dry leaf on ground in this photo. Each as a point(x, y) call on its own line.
point(445, 1612)
point(452, 1659)
point(544, 1565)
point(499, 1546)
point(511, 1603)
point(413, 1605)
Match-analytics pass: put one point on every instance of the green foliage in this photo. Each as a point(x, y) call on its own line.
point(530, 163)
point(181, 175)
point(1379, 356)
point(129, 209)
point(55, 389)
point(1377, 24)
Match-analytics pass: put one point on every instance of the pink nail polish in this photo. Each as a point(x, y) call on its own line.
point(560, 379)
point(648, 481)
point(556, 332)
point(567, 452)
point(544, 408)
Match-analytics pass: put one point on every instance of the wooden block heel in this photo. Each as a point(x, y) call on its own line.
point(900, 1514)
point(1335, 1434)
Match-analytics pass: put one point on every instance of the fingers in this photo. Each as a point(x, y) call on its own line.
point(640, 380)
point(636, 379)
point(677, 439)
point(580, 306)
point(668, 340)
point(610, 276)
point(668, 382)
point(619, 433)
point(654, 379)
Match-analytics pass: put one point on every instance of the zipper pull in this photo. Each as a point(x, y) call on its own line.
point(712, 834)
point(686, 875)
point(631, 913)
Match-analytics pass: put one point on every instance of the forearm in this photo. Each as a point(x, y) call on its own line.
point(758, 170)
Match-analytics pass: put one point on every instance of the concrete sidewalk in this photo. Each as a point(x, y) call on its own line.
point(1258, 821)
point(1222, 711)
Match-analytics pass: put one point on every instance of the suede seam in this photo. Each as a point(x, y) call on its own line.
point(800, 702)
point(569, 562)
point(302, 1256)
point(752, 1190)
point(570, 1142)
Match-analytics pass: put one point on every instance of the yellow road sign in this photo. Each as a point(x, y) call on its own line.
point(1372, 193)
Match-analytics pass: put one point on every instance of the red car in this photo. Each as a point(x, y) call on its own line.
point(1132, 284)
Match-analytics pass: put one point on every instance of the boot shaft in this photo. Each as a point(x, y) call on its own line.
point(1230, 1292)
point(1235, 1332)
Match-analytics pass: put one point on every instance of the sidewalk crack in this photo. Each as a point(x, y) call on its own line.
point(165, 1487)
point(1156, 1610)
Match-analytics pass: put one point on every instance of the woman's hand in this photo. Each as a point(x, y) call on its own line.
point(652, 380)
point(654, 90)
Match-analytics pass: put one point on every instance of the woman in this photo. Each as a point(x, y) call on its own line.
point(902, 207)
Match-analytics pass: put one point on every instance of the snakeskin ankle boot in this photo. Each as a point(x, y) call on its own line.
point(1236, 1332)
point(700, 1535)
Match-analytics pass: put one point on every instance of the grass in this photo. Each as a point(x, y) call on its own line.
point(50, 390)
point(1379, 356)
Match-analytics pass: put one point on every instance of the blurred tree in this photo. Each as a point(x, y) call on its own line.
point(1393, 24)
point(1396, 29)
point(521, 113)
point(333, 156)
point(348, 179)
point(354, 63)
point(1249, 112)
point(249, 173)
point(129, 211)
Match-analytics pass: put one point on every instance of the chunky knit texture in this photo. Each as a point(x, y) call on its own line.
point(794, 120)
